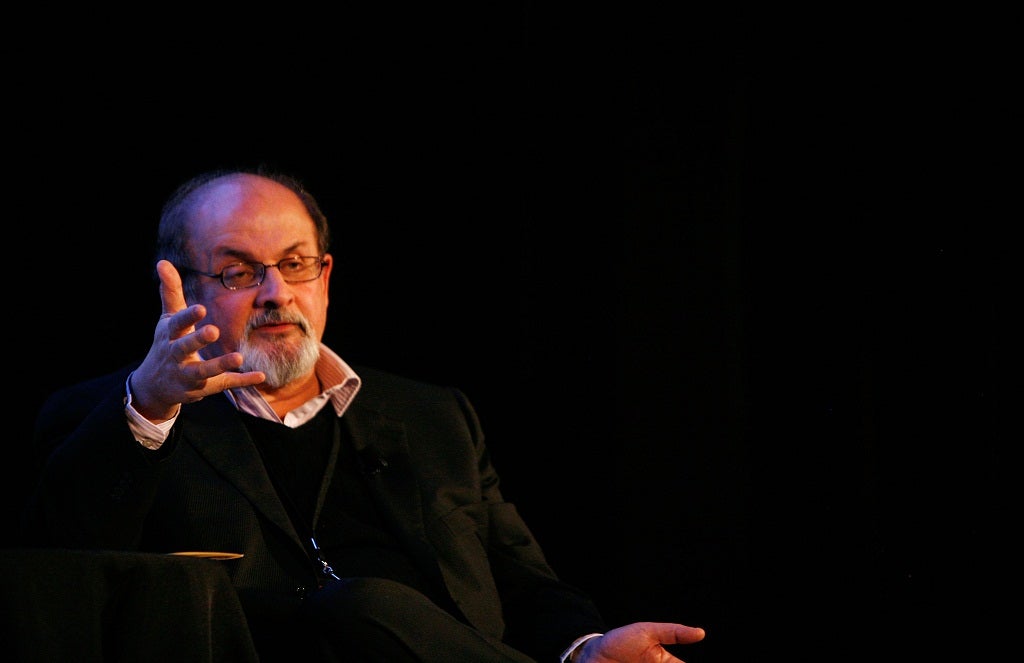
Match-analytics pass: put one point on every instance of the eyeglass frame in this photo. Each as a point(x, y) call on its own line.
point(261, 269)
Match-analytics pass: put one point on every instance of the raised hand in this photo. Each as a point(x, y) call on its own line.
point(173, 372)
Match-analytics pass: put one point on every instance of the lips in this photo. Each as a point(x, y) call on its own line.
point(275, 323)
point(278, 327)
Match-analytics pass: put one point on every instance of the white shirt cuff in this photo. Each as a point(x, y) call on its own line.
point(576, 645)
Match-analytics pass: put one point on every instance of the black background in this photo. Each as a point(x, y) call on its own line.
point(729, 290)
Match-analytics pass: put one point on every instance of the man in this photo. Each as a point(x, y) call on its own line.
point(364, 505)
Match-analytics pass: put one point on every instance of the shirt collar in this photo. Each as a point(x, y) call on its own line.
point(339, 381)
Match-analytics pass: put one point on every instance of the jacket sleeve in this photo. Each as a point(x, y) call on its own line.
point(95, 481)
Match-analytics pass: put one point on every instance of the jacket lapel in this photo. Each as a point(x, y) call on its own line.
point(215, 430)
point(383, 444)
point(383, 452)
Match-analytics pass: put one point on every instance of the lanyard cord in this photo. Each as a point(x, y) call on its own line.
point(332, 463)
point(325, 484)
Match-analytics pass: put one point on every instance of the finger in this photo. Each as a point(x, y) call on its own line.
point(172, 295)
point(215, 375)
point(186, 339)
point(231, 380)
point(212, 368)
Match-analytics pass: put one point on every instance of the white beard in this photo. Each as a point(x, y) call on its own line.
point(283, 362)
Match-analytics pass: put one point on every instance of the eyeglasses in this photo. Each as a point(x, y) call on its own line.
point(295, 269)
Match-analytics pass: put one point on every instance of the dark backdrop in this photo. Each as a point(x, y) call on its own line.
point(726, 290)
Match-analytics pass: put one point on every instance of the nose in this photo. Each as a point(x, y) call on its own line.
point(274, 290)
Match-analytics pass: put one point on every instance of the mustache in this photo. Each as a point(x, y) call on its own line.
point(274, 317)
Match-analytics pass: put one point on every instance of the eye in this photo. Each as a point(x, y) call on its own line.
point(239, 273)
point(292, 265)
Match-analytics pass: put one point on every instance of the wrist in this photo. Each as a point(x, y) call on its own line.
point(153, 415)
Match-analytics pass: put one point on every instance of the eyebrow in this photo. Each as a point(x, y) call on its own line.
point(244, 256)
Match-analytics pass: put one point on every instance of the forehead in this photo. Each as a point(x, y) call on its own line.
point(249, 216)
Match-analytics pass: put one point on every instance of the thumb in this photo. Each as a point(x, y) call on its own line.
point(172, 295)
point(675, 634)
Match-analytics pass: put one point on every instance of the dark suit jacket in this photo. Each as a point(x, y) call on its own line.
point(206, 490)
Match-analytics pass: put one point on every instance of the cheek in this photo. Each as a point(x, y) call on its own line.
point(231, 323)
point(315, 311)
